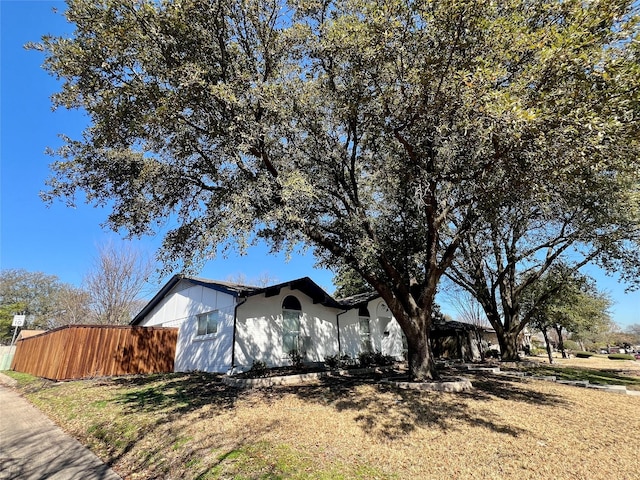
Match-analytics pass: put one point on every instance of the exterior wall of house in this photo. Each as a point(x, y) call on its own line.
point(350, 343)
point(180, 308)
point(386, 334)
point(259, 330)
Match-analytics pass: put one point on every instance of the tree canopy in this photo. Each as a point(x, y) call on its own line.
point(46, 301)
point(33, 294)
point(349, 283)
point(110, 293)
point(528, 236)
point(564, 300)
point(379, 133)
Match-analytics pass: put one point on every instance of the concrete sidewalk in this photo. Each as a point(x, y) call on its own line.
point(33, 447)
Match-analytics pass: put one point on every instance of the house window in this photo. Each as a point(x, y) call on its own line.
point(208, 323)
point(365, 329)
point(291, 313)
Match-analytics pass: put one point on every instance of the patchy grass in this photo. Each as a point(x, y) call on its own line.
point(26, 382)
point(192, 426)
point(598, 370)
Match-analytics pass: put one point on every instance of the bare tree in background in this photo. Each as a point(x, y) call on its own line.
point(116, 282)
point(74, 307)
point(467, 308)
point(263, 280)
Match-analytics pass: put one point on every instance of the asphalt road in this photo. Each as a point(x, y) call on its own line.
point(33, 447)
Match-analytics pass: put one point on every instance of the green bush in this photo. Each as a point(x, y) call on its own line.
point(258, 369)
point(621, 356)
point(370, 359)
point(366, 359)
point(491, 353)
point(297, 359)
point(584, 354)
point(332, 361)
point(347, 361)
point(383, 360)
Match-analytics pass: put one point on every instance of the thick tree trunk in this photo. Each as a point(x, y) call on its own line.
point(508, 341)
point(415, 320)
point(560, 341)
point(548, 344)
point(506, 332)
point(422, 366)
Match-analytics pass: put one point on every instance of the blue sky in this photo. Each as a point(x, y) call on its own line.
point(62, 241)
point(56, 239)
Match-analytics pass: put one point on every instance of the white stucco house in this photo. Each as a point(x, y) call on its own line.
point(224, 327)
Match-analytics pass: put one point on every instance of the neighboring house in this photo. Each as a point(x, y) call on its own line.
point(28, 334)
point(225, 327)
point(456, 340)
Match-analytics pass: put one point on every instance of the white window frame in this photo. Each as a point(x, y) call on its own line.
point(365, 335)
point(295, 316)
point(208, 317)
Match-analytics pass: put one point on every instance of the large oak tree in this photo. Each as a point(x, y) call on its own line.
point(376, 132)
point(503, 264)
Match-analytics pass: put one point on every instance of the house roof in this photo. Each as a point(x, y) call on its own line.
point(235, 289)
point(305, 285)
point(449, 325)
point(358, 300)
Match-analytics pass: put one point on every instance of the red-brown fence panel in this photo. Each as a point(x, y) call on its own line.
point(83, 351)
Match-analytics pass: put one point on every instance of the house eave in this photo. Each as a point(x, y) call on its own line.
point(235, 290)
point(304, 285)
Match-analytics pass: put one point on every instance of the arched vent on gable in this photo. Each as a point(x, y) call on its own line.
point(291, 303)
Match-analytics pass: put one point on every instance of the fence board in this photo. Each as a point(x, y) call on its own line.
point(82, 351)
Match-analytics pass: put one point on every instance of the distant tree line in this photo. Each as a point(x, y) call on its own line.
point(110, 293)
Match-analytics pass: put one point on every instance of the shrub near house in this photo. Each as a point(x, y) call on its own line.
point(584, 354)
point(621, 356)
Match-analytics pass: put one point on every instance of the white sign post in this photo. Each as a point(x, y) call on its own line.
point(18, 321)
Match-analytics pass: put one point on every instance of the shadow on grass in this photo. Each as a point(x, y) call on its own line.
point(174, 393)
point(152, 404)
point(596, 376)
point(157, 404)
point(395, 412)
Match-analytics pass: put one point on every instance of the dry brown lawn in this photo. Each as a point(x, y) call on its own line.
point(598, 362)
point(191, 426)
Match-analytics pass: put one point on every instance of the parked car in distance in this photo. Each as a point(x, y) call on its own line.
point(637, 355)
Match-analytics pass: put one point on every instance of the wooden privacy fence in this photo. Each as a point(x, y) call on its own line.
point(82, 351)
